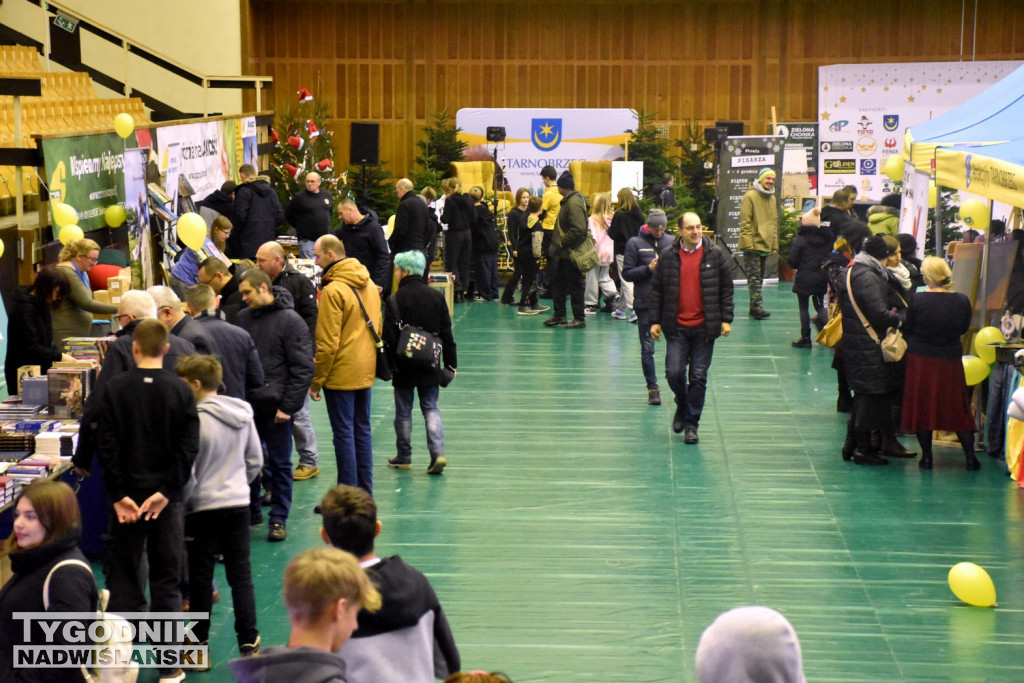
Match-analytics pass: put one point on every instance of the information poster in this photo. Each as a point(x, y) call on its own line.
point(742, 159)
point(137, 207)
point(800, 165)
point(85, 172)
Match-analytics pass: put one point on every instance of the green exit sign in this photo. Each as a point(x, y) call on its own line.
point(65, 23)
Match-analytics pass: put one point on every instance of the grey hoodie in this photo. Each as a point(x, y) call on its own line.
point(749, 645)
point(230, 455)
point(289, 665)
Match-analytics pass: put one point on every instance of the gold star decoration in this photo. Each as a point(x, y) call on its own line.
point(910, 99)
point(825, 115)
point(885, 89)
point(843, 99)
point(863, 89)
point(825, 89)
point(938, 91)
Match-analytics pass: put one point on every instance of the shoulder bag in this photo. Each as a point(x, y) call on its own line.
point(415, 347)
point(832, 333)
point(893, 346)
point(584, 256)
point(384, 371)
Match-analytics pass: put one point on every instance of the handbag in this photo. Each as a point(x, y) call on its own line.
point(893, 346)
point(584, 256)
point(384, 370)
point(832, 333)
point(415, 347)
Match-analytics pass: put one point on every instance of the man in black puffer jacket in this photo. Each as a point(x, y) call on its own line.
point(691, 301)
point(258, 212)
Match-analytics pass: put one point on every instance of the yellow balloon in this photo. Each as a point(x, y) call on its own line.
point(983, 341)
point(893, 167)
point(390, 227)
point(115, 215)
point(975, 214)
point(69, 234)
point(64, 215)
point(972, 584)
point(1, 248)
point(975, 370)
point(124, 124)
point(933, 194)
point(192, 230)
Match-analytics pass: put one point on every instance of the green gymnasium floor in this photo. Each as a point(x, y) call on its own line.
point(574, 537)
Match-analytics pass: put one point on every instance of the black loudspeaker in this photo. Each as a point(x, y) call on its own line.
point(734, 128)
point(364, 144)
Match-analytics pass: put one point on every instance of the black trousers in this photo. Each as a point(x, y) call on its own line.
point(567, 280)
point(528, 266)
point(457, 251)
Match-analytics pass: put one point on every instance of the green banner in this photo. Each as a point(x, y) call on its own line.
point(86, 173)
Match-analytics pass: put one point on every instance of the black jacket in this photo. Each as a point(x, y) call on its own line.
point(258, 212)
point(518, 235)
point(224, 204)
point(231, 299)
point(191, 331)
point(239, 359)
point(303, 295)
point(485, 231)
point(29, 337)
point(640, 251)
point(309, 213)
point(72, 589)
point(459, 212)
point(873, 287)
point(625, 226)
point(811, 247)
point(365, 242)
point(715, 284)
point(423, 307)
point(286, 352)
point(410, 225)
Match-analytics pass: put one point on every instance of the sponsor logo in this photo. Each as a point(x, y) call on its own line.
point(864, 126)
point(837, 146)
point(866, 145)
point(836, 166)
point(967, 170)
point(837, 126)
point(869, 166)
point(891, 122)
point(890, 143)
point(546, 133)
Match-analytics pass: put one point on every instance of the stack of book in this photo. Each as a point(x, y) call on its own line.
point(83, 348)
point(69, 387)
point(26, 473)
point(16, 447)
point(56, 445)
point(15, 412)
point(8, 490)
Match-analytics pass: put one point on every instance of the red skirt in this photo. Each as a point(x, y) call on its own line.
point(936, 396)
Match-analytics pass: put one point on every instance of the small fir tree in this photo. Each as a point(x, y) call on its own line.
point(696, 170)
point(439, 147)
point(373, 187)
point(649, 145)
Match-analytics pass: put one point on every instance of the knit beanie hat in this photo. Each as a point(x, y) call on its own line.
point(881, 246)
point(750, 645)
point(764, 173)
point(893, 201)
point(566, 182)
point(854, 232)
point(657, 219)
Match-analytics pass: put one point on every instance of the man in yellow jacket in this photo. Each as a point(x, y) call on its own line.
point(759, 235)
point(345, 362)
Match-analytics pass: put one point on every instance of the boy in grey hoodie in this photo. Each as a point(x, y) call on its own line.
point(217, 499)
point(324, 589)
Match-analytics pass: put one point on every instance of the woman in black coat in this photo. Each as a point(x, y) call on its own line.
point(47, 525)
point(876, 384)
point(626, 223)
point(811, 246)
point(30, 325)
point(458, 215)
point(420, 306)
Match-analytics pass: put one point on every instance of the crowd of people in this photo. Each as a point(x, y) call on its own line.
point(207, 386)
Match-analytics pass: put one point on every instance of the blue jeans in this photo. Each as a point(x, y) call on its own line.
point(643, 326)
point(689, 347)
point(306, 248)
point(305, 437)
point(431, 416)
point(277, 449)
point(349, 412)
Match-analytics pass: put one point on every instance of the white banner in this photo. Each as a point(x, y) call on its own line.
point(865, 109)
point(535, 138)
point(204, 154)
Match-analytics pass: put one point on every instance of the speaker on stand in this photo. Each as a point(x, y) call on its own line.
point(364, 150)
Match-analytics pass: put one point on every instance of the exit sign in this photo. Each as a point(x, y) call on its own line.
point(65, 23)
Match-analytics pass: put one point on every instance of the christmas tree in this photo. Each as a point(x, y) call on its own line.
point(439, 148)
point(304, 145)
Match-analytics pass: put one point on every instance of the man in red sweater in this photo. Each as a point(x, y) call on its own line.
point(691, 302)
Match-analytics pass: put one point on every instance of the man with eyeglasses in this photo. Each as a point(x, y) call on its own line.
point(691, 301)
point(215, 273)
point(177, 322)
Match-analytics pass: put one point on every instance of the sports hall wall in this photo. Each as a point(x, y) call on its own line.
point(397, 63)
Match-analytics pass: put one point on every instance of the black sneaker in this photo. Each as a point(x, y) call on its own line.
point(654, 397)
point(508, 302)
point(277, 532)
point(400, 463)
point(677, 419)
point(256, 520)
point(691, 436)
point(576, 324)
point(539, 308)
point(250, 649)
point(437, 464)
point(553, 321)
point(526, 310)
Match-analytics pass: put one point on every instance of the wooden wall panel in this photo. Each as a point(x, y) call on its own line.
point(399, 62)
